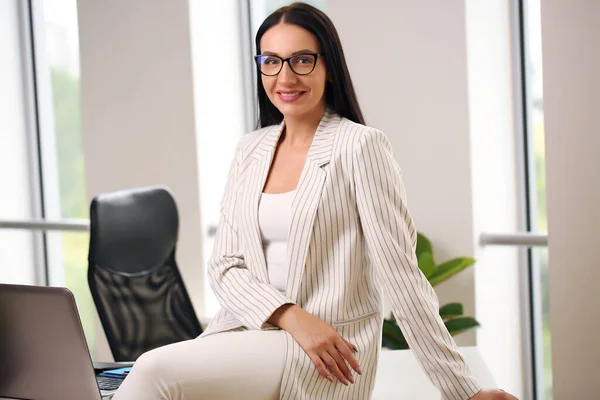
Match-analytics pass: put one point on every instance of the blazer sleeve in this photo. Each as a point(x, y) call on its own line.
point(236, 288)
point(391, 242)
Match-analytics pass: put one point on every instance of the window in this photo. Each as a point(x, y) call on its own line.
point(57, 50)
point(19, 257)
point(536, 192)
point(42, 149)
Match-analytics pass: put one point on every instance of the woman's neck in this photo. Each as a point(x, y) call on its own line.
point(300, 131)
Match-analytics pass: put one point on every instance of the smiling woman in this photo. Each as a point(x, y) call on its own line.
point(314, 228)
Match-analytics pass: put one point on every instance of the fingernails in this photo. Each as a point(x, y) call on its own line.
point(330, 378)
point(359, 370)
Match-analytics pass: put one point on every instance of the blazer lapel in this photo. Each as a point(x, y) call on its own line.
point(259, 170)
point(306, 200)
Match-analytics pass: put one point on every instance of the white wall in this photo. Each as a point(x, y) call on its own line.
point(571, 55)
point(138, 114)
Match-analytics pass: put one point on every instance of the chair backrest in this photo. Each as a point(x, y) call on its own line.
point(138, 291)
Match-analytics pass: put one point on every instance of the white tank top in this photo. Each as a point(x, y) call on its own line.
point(274, 218)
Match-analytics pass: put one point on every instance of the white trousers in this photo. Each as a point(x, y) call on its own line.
point(228, 365)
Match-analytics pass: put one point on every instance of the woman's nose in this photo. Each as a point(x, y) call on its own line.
point(286, 75)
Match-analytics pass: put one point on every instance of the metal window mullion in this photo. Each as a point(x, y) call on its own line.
point(248, 81)
point(49, 168)
point(534, 265)
point(32, 134)
point(534, 270)
point(531, 314)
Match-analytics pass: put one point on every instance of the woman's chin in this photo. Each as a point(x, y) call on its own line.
point(294, 110)
point(291, 110)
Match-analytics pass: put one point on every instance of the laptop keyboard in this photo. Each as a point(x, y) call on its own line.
point(106, 383)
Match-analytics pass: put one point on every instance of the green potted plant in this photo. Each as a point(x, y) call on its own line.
point(452, 313)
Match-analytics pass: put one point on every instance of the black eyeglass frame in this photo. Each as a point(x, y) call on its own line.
point(284, 60)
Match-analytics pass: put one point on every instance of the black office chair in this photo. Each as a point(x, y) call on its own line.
point(132, 274)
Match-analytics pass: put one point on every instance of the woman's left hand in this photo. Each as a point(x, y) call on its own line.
point(496, 394)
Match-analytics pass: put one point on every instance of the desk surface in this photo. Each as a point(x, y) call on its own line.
point(400, 376)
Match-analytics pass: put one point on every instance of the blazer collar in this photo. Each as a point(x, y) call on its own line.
point(320, 149)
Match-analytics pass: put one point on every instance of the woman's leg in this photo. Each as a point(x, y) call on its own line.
point(227, 365)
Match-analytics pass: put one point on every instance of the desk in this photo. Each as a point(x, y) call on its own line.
point(400, 376)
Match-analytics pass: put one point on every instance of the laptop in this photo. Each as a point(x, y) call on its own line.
point(43, 352)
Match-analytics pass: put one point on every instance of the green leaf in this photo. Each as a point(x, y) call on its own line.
point(393, 344)
point(426, 264)
point(449, 269)
point(392, 329)
point(451, 310)
point(461, 324)
point(392, 337)
point(423, 245)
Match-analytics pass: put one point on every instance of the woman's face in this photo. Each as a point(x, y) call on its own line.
point(294, 95)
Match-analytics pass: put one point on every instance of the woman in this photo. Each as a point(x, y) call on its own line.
point(313, 223)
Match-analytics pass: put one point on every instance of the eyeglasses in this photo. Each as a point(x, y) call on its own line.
point(300, 64)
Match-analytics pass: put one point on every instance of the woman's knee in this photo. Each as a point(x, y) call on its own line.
point(146, 380)
point(150, 364)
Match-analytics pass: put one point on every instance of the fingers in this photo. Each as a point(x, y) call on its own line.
point(352, 347)
point(330, 360)
point(344, 347)
point(333, 361)
point(341, 363)
point(321, 366)
point(334, 367)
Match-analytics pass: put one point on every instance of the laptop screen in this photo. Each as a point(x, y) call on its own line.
point(43, 352)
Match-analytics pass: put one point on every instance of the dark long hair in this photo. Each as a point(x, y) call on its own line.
point(339, 91)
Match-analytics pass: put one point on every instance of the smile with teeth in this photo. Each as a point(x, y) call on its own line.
point(290, 94)
point(290, 97)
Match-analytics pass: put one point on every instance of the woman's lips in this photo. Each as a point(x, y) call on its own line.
point(290, 96)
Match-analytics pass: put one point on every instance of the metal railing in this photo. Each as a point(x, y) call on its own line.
point(526, 239)
point(78, 225)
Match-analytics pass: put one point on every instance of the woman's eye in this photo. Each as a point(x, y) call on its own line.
point(271, 61)
point(304, 60)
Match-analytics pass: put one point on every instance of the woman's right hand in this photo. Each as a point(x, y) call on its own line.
point(323, 345)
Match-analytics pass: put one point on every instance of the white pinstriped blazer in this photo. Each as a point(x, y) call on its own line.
point(351, 237)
